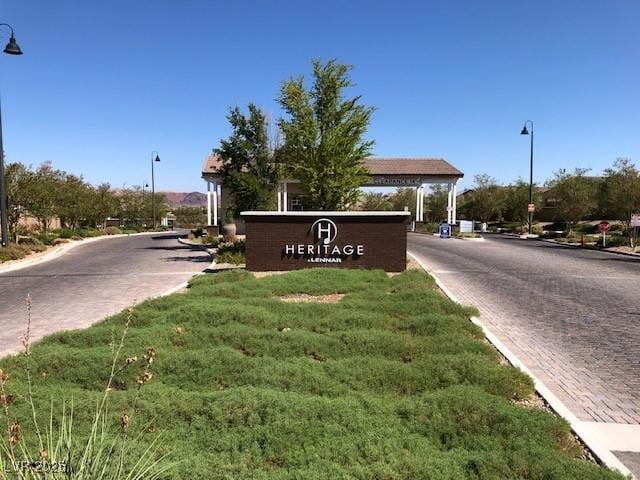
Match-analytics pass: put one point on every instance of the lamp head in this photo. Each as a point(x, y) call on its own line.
point(157, 159)
point(12, 47)
point(524, 131)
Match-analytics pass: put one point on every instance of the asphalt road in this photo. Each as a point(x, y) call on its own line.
point(91, 282)
point(572, 316)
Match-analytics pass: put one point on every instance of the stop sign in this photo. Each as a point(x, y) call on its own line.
point(604, 226)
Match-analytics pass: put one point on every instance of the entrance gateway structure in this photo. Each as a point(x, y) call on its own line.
point(385, 172)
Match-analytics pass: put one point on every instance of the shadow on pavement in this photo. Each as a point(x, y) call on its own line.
point(190, 258)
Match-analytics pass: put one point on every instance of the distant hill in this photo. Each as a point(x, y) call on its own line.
point(184, 199)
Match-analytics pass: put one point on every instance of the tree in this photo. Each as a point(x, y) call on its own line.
point(486, 200)
point(105, 204)
point(375, 201)
point(404, 197)
point(73, 202)
point(189, 217)
point(436, 204)
point(622, 192)
point(17, 178)
point(576, 194)
point(40, 196)
point(516, 201)
point(323, 136)
point(249, 169)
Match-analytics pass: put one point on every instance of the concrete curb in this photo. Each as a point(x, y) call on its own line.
point(590, 438)
point(56, 252)
point(571, 245)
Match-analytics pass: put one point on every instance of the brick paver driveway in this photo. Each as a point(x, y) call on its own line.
point(571, 316)
point(92, 281)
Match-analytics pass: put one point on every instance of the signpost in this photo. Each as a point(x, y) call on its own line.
point(604, 227)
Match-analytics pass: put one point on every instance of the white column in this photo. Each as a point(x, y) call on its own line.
point(215, 204)
point(449, 203)
point(285, 198)
point(219, 205)
point(208, 203)
point(422, 203)
point(455, 202)
point(417, 204)
point(279, 198)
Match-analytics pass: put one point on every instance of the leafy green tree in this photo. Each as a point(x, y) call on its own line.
point(73, 202)
point(189, 217)
point(486, 201)
point(105, 204)
point(576, 195)
point(374, 201)
point(622, 192)
point(436, 204)
point(403, 197)
point(516, 201)
point(40, 196)
point(249, 170)
point(323, 136)
point(17, 178)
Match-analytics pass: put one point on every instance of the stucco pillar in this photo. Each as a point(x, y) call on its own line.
point(215, 204)
point(208, 203)
point(285, 198)
point(454, 214)
point(449, 203)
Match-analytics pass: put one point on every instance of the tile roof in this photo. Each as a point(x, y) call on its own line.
point(378, 166)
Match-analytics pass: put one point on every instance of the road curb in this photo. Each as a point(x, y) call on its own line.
point(64, 248)
point(586, 435)
point(569, 245)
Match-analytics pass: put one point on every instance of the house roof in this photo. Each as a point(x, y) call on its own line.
point(377, 166)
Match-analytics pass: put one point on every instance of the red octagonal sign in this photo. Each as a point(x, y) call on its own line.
point(604, 226)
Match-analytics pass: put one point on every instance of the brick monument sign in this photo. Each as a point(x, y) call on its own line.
point(294, 240)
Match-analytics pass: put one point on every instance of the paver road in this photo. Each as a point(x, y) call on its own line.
point(92, 281)
point(572, 316)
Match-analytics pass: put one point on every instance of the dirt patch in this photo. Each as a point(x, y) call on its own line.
point(304, 298)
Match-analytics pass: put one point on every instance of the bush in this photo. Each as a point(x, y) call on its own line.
point(65, 233)
point(13, 252)
point(33, 244)
point(112, 231)
point(209, 240)
point(47, 238)
point(90, 232)
point(614, 241)
point(429, 228)
point(231, 252)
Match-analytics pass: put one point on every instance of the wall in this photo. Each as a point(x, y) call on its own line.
point(295, 240)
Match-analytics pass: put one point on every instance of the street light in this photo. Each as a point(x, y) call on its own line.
point(529, 212)
point(153, 186)
point(12, 48)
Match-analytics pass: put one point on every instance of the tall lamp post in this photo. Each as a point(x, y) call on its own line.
point(12, 48)
point(526, 131)
point(153, 186)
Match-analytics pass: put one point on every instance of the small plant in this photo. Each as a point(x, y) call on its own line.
point(61, 454)
point(231, 252)
point(112, 231)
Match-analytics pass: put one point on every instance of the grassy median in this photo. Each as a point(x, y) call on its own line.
point(312, 374)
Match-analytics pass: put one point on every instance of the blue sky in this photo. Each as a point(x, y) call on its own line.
point(102, 84)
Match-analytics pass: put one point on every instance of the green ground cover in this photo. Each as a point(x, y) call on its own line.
point(390, 382)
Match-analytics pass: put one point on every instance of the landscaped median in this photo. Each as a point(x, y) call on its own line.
point(313, 374)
